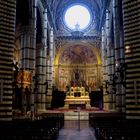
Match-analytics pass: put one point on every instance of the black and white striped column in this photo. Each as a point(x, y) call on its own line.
point(27, 50)
point(131, 20)
point(28, 40)
point(41, 54)
point(50, 70)
point(104, 69)
point(41, 74)
point(119, 55)
point(7, 36)
point(28, 46)
point(110, 62)
point(44, 60)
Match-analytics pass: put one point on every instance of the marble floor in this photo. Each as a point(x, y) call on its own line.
point(76, 130)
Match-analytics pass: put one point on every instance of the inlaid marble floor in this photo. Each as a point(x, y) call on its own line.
point(75, 130)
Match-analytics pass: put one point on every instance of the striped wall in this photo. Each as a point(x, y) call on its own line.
point(7, 34)
point(131, 13)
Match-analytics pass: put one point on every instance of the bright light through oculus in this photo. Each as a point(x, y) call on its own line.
point(77, 17)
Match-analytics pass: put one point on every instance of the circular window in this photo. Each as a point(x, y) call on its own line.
point(77, 17)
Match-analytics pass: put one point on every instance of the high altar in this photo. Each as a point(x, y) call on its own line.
point(77, 97)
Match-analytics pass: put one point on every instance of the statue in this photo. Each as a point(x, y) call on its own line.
point(77, 75)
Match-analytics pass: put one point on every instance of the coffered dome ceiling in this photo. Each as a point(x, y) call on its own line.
point(57, 9)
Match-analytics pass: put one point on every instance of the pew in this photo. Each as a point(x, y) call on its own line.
point(46, 128)
point(114, 126)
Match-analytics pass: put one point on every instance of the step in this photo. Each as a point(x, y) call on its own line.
point(76, 115)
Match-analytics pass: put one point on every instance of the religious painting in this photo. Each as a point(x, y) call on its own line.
point(92, 83)
point(62, 83)
point(63, 79)
point(78, 54)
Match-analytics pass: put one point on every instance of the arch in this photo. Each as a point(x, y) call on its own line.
point(62, 49)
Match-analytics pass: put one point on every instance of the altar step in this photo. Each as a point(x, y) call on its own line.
point(76, 115)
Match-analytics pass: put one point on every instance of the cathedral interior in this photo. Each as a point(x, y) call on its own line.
point(70, 55)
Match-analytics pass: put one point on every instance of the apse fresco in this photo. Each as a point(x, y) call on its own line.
point(78, 54)
point(63, 79)
point(92, 83)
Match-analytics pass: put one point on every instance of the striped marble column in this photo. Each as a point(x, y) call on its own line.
point(27, 50)
point(41, 74)
point(122, 59)
point(119, 55)
point(44, 60)
point(104, 65)
point(28, 46)
point(33, 23)
point(28, 40)
point(110, 62)
point(44, 70)
point(50, 70)
point(7, 36)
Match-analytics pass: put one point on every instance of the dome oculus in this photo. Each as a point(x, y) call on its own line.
point(77, 17)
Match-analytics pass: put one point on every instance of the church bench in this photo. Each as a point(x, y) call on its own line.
point(114, 127)
point(43, 129)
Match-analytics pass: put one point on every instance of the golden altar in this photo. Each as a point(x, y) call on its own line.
point(77, 97)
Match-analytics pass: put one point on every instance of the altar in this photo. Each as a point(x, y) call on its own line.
point(77, 97)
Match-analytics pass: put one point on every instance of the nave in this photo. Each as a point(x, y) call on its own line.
point(76, 130)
